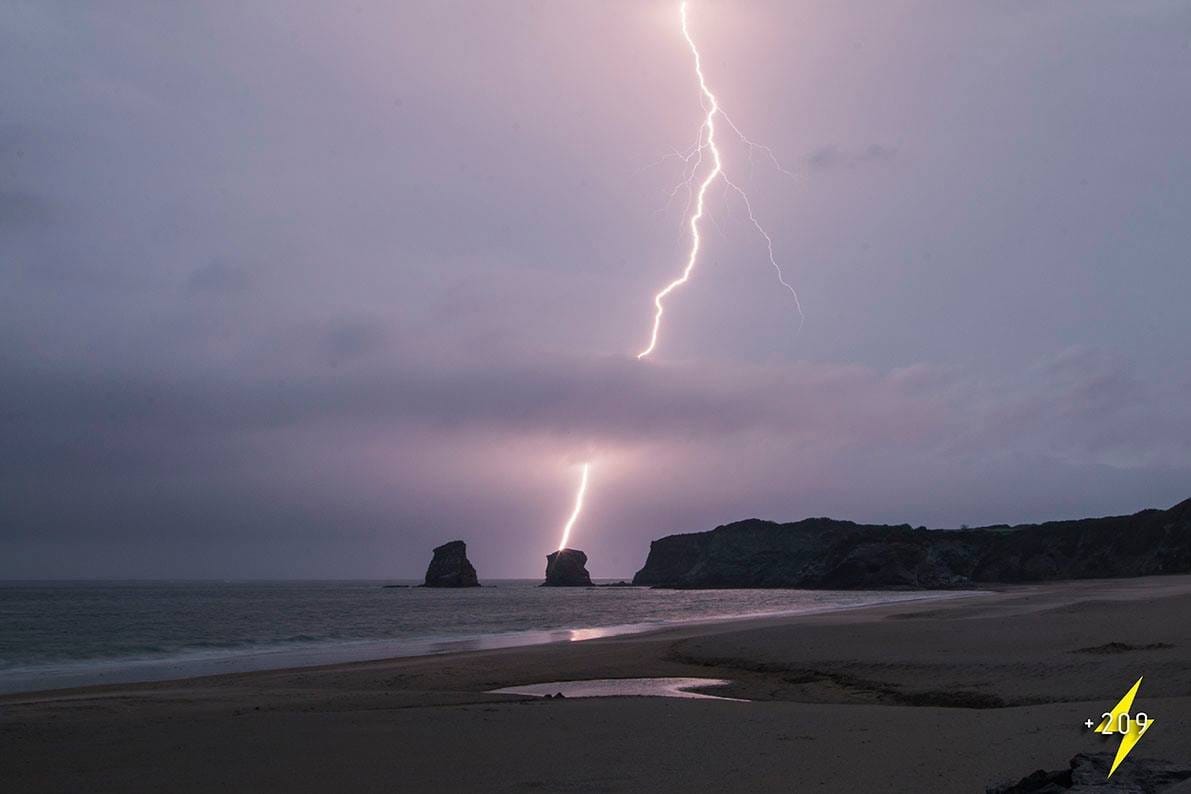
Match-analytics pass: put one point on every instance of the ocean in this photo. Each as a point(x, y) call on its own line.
point(61, 634)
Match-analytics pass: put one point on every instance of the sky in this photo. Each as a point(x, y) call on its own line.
point(297, 289)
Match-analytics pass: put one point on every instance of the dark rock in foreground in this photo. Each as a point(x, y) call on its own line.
point(1089, 773)
point(567, 568)
point(450, 567)
point(828, 554)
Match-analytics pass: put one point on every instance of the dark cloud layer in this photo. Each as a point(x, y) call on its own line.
point(831, 157)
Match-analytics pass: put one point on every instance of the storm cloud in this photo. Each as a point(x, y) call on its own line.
point(297, 290)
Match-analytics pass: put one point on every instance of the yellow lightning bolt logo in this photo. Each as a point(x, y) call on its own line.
point(1120, 720)
point(706, 141)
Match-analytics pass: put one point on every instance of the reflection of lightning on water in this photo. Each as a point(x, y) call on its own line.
point(566, 531)
point(706, 142)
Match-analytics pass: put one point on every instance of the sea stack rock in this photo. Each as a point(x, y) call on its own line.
point(566, 568)
point(450, 567)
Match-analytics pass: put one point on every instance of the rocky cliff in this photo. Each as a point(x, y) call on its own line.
point(450, 567)
point(829, 554)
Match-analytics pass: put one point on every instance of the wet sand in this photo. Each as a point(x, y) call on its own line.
point(928, 696)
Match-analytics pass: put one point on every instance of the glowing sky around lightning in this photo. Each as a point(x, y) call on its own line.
point(706, 141)
point(566, 530)
point(322, 357)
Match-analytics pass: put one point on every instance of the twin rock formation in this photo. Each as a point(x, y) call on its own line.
point(821, 553)
point(451, 568)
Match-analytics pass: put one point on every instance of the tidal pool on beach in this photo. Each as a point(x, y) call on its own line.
point(622, 687)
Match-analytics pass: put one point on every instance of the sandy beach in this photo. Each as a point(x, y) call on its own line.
point(948, 695)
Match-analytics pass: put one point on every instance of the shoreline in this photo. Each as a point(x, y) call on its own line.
point(931, 695)
point(187, 665)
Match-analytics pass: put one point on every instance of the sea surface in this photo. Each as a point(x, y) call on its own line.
point(61, 634)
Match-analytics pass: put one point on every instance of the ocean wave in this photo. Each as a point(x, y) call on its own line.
point(146, 633)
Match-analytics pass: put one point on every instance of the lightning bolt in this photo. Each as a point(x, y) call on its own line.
point(706, 141)
point(1132, 734)
point(692, 161)
point(566, 530)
